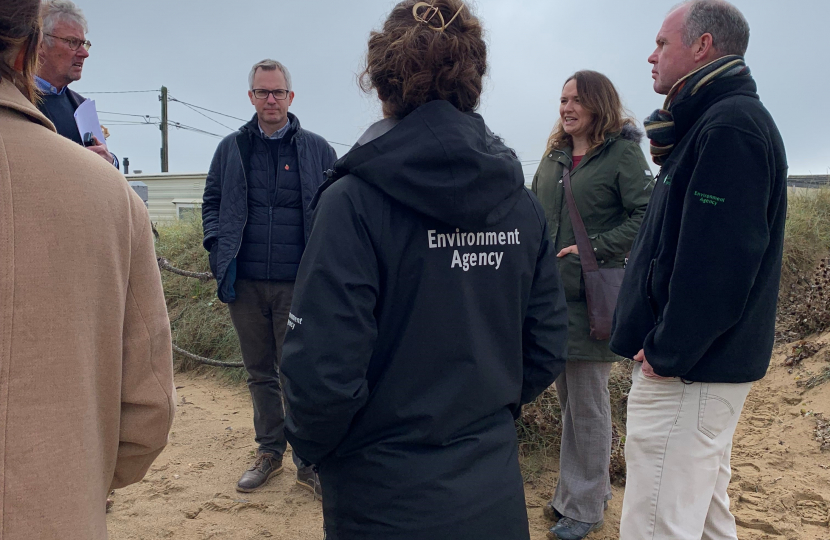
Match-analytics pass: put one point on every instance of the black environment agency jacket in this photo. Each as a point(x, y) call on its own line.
point(427, 310)
point(701, 286)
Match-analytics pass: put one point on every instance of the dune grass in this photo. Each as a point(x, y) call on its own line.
point(201, 323)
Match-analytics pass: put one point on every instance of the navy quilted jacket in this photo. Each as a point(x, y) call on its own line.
point(237, 193)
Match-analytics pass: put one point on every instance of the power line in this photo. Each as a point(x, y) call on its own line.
point(195, 109)
point(147, 119)
point(340, 143)
point(124, 92)
point(109, 123)
point(208, 110)
point(179, 125)
point(186, 104)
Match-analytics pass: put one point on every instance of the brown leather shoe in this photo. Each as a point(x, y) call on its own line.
point(265, 466)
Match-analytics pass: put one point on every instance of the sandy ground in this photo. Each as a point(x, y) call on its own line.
point(780, 487)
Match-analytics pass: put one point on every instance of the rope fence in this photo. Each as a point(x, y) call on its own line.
point(206, 361)
point(164, 264)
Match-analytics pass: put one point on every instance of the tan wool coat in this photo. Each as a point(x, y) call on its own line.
point(86, 374)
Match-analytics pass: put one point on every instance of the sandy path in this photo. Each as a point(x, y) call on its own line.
point(780, 488)
point(189, 492)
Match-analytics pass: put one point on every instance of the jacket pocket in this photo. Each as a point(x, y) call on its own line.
point(655, 310)
point(213, 255)
point(570, 271)
point(715, 411)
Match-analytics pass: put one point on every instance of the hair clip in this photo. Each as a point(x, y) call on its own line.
point(430, 13)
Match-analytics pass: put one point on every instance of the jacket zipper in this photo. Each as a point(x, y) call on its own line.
point(303, 204)
point(244, 177)
point(649, 291)
point(270, 228)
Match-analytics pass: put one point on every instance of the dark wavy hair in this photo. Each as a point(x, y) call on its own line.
point(598, 96)
point(411, 62)
point(20, 27)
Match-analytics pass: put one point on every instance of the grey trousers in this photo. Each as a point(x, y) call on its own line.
point(259, 315)
point(585, 454)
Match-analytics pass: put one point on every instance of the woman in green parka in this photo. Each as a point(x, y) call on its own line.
point(611, 184)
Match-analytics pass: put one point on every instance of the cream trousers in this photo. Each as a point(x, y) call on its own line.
point(677, 449)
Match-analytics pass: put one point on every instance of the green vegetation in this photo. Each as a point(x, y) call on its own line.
point(200, 322)
point(804, 299)
point(202, 326)
point(807, 238)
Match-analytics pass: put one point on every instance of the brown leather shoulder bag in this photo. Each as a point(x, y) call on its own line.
point(602, 285)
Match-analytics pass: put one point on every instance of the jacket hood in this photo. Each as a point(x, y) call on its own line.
point(629, 132)
point(633, 133)
point(440, 162)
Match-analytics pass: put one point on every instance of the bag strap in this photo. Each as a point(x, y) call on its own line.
point(586, 250)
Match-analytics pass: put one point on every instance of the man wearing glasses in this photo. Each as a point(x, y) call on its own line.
point(62, 53)
point(256, 222)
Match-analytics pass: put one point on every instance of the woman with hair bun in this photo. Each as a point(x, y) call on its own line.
point(427, 309)
point(611, 185)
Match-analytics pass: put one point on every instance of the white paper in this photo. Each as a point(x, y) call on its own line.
point(86, 117)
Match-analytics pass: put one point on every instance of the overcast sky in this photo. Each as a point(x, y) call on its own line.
point(202, 51)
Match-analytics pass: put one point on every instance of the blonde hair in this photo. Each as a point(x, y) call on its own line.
point(20, 30)
point(599, 97)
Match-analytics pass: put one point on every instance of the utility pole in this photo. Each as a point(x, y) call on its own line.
point(164, 143)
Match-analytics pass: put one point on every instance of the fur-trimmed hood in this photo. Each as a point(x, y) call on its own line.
point(632, 132)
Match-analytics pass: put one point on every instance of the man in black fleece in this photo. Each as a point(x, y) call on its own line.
point(697, 307)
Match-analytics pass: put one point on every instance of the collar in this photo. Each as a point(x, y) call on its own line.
point(48, 88)
point(12, 98)
point(279, 134)
point(377, 130)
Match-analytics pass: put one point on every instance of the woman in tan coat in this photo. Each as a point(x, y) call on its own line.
point(86, 378)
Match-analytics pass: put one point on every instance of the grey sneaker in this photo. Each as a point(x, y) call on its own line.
point(265, 466)
point(571, 529)
point(308, 479)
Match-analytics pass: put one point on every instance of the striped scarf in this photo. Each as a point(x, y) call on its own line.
point(660, 125)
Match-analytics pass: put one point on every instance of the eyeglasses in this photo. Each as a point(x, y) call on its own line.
point(261, 93)
point(74, 43)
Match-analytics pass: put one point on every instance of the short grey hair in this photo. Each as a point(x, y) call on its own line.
point(269, 65)
point(54, 11)
point(726, 24)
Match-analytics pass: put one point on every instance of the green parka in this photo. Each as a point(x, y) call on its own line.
point(611, 187)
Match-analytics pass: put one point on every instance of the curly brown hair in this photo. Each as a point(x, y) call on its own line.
point(412, 61)
point(598, 96)
point(20, 30)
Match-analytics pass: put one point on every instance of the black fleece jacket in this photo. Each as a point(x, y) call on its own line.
point(426, 311)
point(701, 287)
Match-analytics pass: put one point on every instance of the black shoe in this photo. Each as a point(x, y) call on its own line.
point(265, 466)
point(551, 513)
point(571, 529)
point(308, 479)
